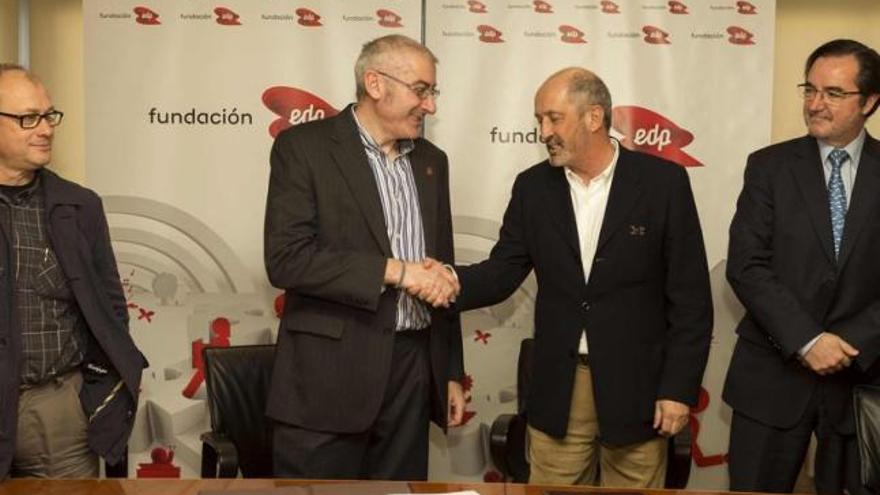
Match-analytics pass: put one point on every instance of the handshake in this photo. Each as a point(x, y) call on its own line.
point(428, 280)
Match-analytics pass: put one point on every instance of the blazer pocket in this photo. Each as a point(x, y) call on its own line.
point(315, 323)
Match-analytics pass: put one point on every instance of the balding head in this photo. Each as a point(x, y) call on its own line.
point(583, 89)
point(8, 69)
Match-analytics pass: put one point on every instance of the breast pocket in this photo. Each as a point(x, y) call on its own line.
point(627, 253)
point(49, 280)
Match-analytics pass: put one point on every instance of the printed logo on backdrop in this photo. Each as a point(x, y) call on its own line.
point(388, 18)
point(489, 34)
point(307, 17)
point(543, 7)
point(676, 7)
point(655, 36)
point(739, 36)
point(647, 131)
point(294, 106)
point(743, 7)
point(609, 7)
point(146, 16)
point(477, 7)
point(226, 17)
point(571, 34)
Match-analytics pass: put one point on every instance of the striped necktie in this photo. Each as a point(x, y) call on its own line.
point(837, 196)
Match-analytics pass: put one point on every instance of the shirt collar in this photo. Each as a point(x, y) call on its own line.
point(606, 174)
point(854, 148)
point(404, 146)
point(27, 192)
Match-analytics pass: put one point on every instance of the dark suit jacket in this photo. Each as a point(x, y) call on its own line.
point(326, 244)
point(781, 265)
point(647, 307)
point(79, 236)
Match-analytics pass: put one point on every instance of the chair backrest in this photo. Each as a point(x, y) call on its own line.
point(237, 380)
point(867, 410)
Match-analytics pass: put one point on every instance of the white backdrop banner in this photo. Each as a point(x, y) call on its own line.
point(184, 98)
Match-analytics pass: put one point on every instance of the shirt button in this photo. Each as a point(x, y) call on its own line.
point(586, 305)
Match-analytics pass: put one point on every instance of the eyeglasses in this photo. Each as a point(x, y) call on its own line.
point(420, 90)
point(31, 120)
point(833, 96)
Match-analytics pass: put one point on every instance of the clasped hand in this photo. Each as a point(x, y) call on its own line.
point(431, 282)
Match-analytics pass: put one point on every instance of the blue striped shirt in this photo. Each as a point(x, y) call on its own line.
point(403, 218)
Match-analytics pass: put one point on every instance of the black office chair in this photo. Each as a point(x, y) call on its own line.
point(867, 410)
point(507, 437)
point(237, 380)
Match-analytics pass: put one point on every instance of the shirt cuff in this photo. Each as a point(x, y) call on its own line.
point(806, 348)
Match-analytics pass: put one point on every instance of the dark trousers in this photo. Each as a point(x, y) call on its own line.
point(395, 447)
point(763, 458)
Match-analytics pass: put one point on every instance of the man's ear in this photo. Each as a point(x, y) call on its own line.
point(870, 103)
point(372, 84)
point(597, 115)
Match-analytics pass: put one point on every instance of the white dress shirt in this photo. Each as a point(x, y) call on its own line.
point(589, 199)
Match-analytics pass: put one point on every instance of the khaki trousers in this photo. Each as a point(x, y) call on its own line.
point(581, 459)
point(51, 438)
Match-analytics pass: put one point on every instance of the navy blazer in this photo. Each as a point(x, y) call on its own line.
point(647, 307)
point(782, 267)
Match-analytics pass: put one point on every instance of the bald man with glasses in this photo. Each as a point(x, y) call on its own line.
point(69, 371)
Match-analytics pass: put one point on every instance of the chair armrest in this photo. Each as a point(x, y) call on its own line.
point(507, 446)
point(219, 456)
point(678, 468)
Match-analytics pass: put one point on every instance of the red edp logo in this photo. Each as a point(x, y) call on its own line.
point(647, 131)
point(609, 7)
point(308, 17)
point(543, 7)
point(743, 7)
point(489, 34)
point(676, 7)
point(388, 18)
point(227, 17)
point(739, 36)
point(146, 16)
point(477, 7)
point(655, 36)
point(571, 34)
point(294, 106)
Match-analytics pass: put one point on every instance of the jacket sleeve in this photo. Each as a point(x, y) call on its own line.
point(688, 297)
point(773, 306)
point(296, 258)
point(105, 264)
point(496, 278)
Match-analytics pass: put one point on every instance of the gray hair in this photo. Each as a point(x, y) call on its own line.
point(376, 53)
point(585, 89)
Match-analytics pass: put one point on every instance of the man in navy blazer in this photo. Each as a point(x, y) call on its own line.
point(804, 262)
point(623, 313)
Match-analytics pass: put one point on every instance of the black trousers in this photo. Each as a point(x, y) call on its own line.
point(763, 458)
point(395, 447)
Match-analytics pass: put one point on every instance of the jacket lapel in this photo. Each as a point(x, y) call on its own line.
point(864, 201)
point(807, 171)
point(560, 209)
point(424, 173)
point(351, 159)
point(625, 192)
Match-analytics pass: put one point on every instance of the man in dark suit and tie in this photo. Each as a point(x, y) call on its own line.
point(623, 313)
point(803, 259)
point(355, 202)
